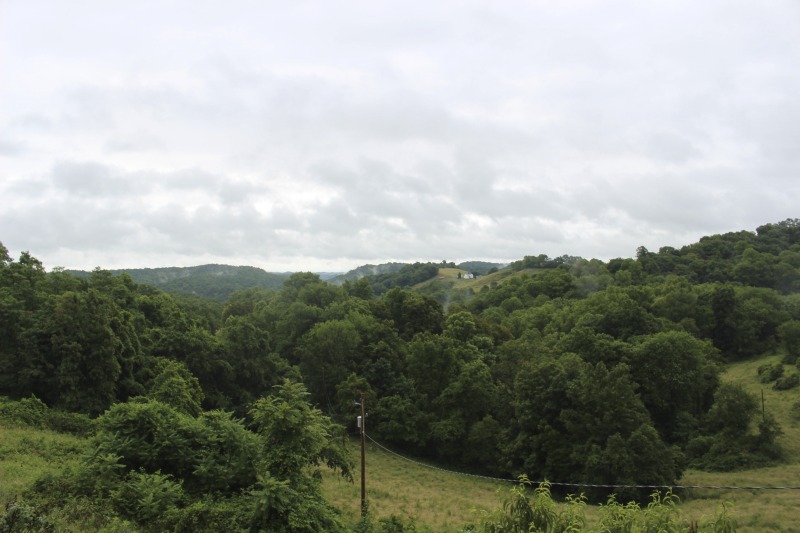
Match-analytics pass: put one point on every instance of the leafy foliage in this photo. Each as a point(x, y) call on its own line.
point(165, 469)
point(565, 368)
point(526, 510)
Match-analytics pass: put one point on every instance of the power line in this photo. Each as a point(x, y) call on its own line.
point(589, 485)
point(384, 448)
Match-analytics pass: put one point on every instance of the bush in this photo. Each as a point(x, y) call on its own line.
point(23, 517)
point(27, 411)
point(770, 372)
point(78, 424)
point(33, 412)
point(537, 512)
point(223, 515)
point(146, 497)
point(391, 524)
point(211, 453)
point(787, 382)
point(618, 518)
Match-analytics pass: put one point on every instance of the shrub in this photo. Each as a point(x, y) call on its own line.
point(723, 521)
point(78, 424)
point(211, 453)
point(789, 381)
point(618, 518)
point(146, 497)
point(23, 517)
point(391, 524)
point(33, 412)
point(27, 411)
point(662, 514)
point(770, 372)
point(539, 512)
point(208, 514)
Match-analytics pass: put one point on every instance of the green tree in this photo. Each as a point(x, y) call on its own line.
point(728, 442)
point(255, 367)
point(732, 411)
point(723, 305)
point(5, 259)
point(296, 282)
point(577, 420)
point(622, 313)
point(433, 361)
point(461, 326)
point(676, 374)
point(789, 333)
point(755, 269)
point(400, 419)
point(326, 356)
point(412, 313)
point(358, 289)
point(85, 352)
point(174, 385)
point(294, 437)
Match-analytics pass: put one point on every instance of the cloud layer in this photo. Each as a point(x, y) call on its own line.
point(319, 135)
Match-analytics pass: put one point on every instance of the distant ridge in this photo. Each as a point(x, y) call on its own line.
point(220, 281)
point(480, 267)
point(366, 270)
point(211, 281)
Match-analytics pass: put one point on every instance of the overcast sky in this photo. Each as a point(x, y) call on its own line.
point(308, 135)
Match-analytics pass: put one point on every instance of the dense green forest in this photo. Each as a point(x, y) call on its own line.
point(565, 369)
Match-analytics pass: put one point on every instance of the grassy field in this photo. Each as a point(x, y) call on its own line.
point(440, 500)
point(448, 280)
point(451, 274)
point(27, 453)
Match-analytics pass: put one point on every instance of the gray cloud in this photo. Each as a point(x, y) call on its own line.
point(11, 148)
point(308, 135)
point(91, 180)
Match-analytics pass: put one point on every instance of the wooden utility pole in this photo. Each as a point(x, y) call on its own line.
point(363, 427)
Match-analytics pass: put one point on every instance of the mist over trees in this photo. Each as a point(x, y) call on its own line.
point(569, 369)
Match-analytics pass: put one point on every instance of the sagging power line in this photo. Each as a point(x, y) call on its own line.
point(586, 485)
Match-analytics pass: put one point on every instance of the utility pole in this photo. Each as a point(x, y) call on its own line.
point(363, 427)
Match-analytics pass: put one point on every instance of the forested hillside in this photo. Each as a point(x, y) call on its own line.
point(366, 270)
point(217, 282)
point(577, 371)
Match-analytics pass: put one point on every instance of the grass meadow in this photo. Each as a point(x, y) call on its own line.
point(27, 454)
point(439, 500)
